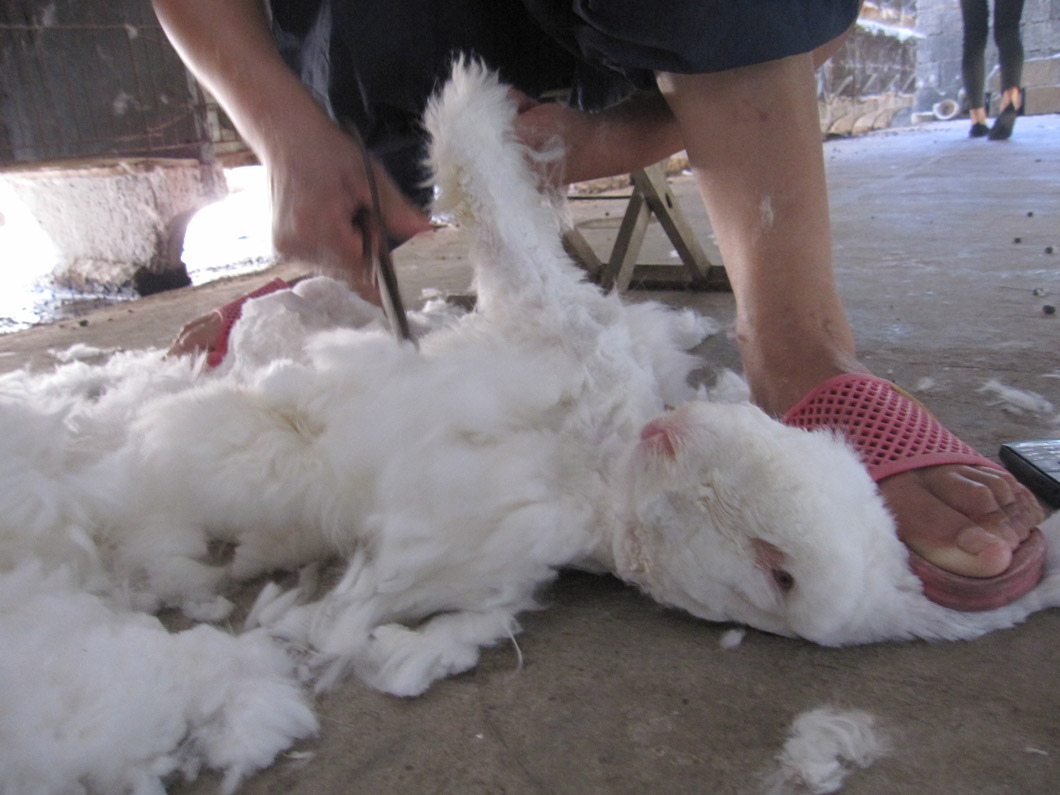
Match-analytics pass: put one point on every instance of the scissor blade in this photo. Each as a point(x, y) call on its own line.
point(374, 230)
point(386, 278)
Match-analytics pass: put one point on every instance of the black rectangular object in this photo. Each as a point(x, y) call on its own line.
point(1035, 464)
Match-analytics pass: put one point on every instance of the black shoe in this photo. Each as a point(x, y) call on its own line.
point(978, 130)
point(1003, 124)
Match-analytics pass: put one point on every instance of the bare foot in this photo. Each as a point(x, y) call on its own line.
point(965, 520)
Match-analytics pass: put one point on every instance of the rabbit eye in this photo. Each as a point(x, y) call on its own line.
point(783, 579)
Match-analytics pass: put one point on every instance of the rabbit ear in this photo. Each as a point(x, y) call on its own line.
point(636, 546)
point(694, 425)
point(658, 438)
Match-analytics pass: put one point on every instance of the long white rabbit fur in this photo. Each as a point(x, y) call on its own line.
point(455, 479)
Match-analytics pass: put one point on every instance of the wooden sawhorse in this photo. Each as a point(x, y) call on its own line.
point(651, 196)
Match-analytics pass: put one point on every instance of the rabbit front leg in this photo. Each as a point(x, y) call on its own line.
point(405, 662)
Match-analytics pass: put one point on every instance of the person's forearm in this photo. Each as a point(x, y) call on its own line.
point(227, 45)
point(628, 136)
point(641, 127)
point(754, 140)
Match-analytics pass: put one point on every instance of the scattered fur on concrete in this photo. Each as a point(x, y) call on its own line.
point(824, 746)
point(98, 698)
point(732, 638)
point(1018, 401)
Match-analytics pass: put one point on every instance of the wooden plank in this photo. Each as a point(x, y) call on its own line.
point(578, 249)
point(627, 246)
point(702, 274)
point(651, 196)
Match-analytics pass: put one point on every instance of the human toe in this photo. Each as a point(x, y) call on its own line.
point(988, 497)
point(999, 524)
point(1025, 512)
point(991, 553)
point(972, 552)
point(1018, 504)
point(931, 524)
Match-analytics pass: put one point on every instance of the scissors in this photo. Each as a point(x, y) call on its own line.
point(377, 249)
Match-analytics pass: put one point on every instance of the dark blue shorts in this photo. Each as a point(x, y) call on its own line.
point(376, 62)
point(633, 39)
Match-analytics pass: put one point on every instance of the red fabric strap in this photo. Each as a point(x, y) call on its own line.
point(231, 312)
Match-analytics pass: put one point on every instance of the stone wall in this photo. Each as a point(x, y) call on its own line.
point(106, 139)
point(939, 58)
point(118, 224)
point(871, 80)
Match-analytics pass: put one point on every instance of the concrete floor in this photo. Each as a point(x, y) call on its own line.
point(617, 695)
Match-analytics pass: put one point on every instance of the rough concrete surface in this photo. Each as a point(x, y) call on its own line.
point(611, 693)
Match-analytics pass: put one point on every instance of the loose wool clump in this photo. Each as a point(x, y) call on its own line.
point(1018, 401)
point(732, 638)
point(439, 487)
point(95, 698)
point(824, 746)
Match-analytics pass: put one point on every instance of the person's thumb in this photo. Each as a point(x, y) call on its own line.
point(402, 217)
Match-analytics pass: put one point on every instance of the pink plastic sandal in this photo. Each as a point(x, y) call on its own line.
point(231, 312)
point(894, 433)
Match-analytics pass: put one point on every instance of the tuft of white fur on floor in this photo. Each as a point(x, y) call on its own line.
point(925, 384)
point(732, 638)
point(1017, 401)
point(824, 746)
point(98, 698)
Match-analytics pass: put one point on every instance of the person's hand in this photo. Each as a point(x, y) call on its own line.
point(316, 172)
point(319, 186)
point(197, 335)
point(554, 132)
point(209, 332)
point(633, 134)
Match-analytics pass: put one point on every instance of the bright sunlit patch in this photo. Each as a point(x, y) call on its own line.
point(227, 238)
point(27, 257)
point(234, 235)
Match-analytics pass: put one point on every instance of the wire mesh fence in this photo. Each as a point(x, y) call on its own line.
point(96, 78)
